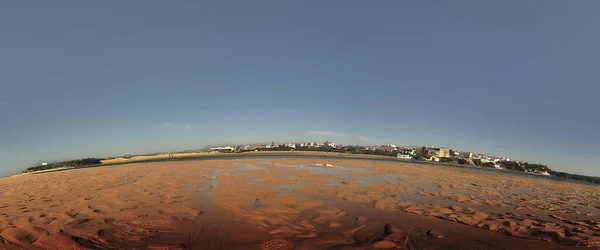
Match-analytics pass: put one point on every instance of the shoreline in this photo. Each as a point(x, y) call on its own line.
point(208, 155)
point(198, 155)
point(43, 171)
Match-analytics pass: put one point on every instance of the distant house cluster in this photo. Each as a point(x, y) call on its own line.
point(223, 149)
point(435, 154)
point(432, 153)
point(297, 145)
point(252, 147)
point(406, 153)
point(428, 153)
point(495, 160)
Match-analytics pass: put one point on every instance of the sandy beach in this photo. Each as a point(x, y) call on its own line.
point(288, 203)
point(142, 158)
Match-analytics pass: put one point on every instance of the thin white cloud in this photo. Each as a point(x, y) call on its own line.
point(328, 133)
point(171, 124)
point(364, 138)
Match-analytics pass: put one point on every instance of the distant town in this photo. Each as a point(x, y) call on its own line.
point(433, 154)
point(419, 153)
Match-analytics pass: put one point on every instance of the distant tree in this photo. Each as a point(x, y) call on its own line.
point(563, 175)
point(422, 152)
point(488, 165)
point(536, 167)
point(511, 165)
point(351, 149)
point(73, 163)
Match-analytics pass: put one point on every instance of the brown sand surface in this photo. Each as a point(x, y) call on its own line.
point(287, 203)
point(195, 155)
point(157, 157)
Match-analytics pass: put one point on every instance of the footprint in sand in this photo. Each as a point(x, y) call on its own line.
point(106, 233)
point(72, 214)
point(96, 211)
point(92, 197)
point(80, 223)
point(23, 235)
point(48, 220)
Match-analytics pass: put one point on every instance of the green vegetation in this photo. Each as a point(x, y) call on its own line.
point(480, 163)
point(576, 177)
point(73, 163)
point(348, 149)
point(421, 154)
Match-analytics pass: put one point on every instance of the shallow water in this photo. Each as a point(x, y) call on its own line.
point(347, 174)
point(412, 228)
point(284, 156)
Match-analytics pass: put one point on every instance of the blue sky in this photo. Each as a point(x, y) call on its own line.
point(106, 78)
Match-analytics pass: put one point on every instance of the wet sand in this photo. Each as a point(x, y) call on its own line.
point(289, 203)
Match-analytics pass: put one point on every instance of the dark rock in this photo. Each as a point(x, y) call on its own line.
point(397, 235)
point(106, 233)
point(372, 233)
point(435, 234)
point(455, 208)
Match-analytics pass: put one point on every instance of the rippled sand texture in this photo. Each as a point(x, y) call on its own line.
point(294, 204)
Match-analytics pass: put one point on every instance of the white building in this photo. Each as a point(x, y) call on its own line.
point(407, 151)
point(404, 156)
point(223, 148)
